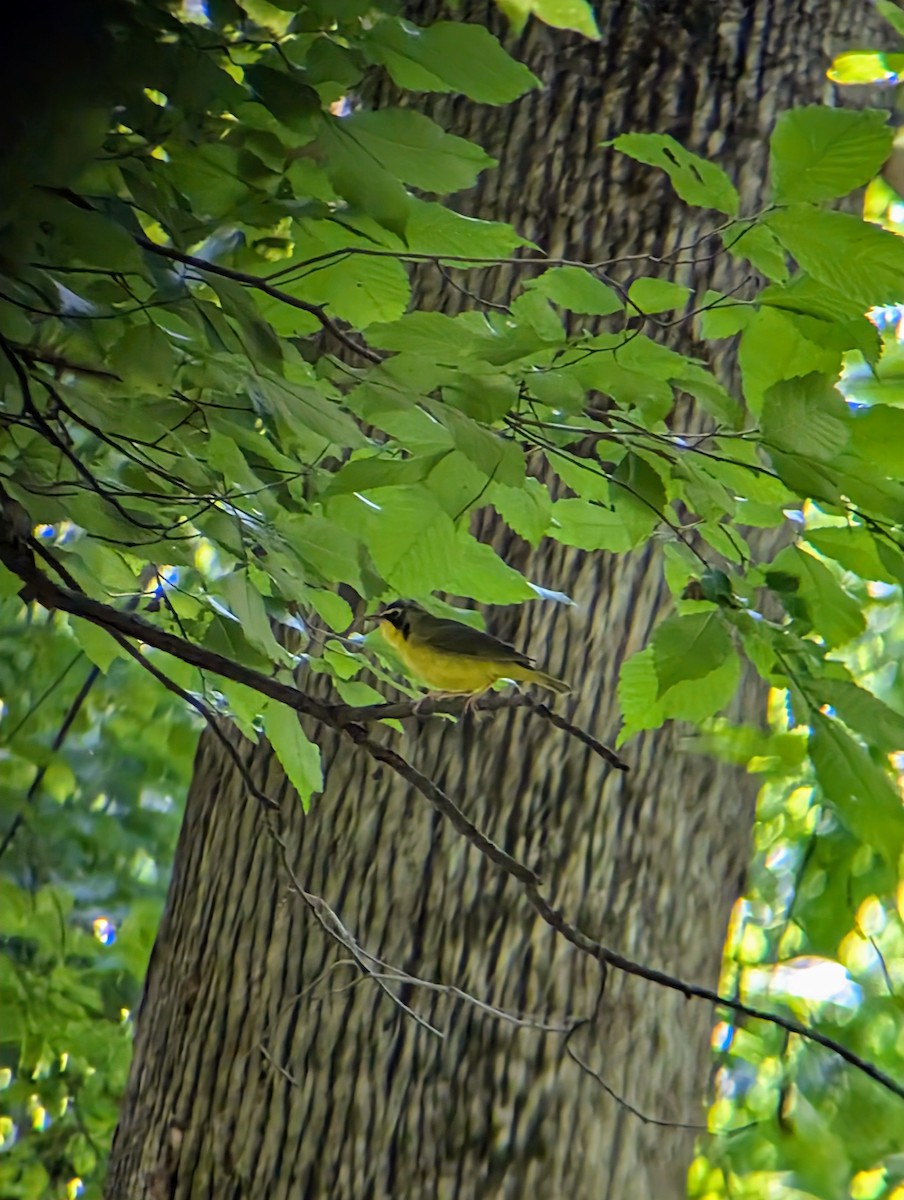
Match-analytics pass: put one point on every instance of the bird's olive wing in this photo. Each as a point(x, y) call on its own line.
point(455, 638)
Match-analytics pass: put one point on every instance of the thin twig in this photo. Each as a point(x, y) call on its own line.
point(333, 926)
point(16, 554)
point(261, 285)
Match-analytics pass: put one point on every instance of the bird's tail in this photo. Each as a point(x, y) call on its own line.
point(544, 679)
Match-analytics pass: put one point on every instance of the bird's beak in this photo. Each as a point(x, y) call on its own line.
point(373, 619)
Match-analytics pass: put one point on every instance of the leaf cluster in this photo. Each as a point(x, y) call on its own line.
point(219, 402)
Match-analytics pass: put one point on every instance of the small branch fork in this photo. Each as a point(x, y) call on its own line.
point(17, 553)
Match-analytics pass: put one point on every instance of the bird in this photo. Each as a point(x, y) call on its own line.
point(454, 659)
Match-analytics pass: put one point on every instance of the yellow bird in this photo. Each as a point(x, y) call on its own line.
point(454, 658)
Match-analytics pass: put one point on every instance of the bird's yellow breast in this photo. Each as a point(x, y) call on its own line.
point(440, 670)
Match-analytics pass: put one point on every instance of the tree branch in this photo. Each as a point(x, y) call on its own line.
point(17, 555)
point(554, 918)
point(261, 285)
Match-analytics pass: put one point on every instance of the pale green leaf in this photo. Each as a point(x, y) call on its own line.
point(561, 14)
point(657, 295)
point(588, 526)
point(760, 247)
point(527, 509)
point(299, 757)
point(863, 712)
point(99, 646)
point(577, 289)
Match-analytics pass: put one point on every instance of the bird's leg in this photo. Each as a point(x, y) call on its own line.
point(470, 705)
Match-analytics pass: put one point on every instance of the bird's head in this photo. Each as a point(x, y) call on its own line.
point(399, 614)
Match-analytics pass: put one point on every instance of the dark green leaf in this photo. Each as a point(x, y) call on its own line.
point(448, 56)
point(861, 792)
point(694, 179)
point(688, 647)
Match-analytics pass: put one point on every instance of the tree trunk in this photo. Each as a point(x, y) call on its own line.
point(265, 1065)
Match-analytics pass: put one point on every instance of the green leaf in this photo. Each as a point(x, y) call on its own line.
point(330, 551)
point(643, 707)
point(773, 349)
point(416, 150)
point(877, 434)
point(862, 794)
point(418, 550)
point(486, 398)
point(299, 404)
point(688, 647)
point(247, 606)
point(629, 388)
point(448, 56)
point(855, 549)
point(377, 471)
point(434, 229)
point(499, 458)
point(361, 291)
point(714, 398)
point(893, 14)
point(576, 289)
point(527, 510)
point(724, 317)
point(819, 153)
point(245, 706)
point(588, 526)
point(288, 98)
point(859, 260)
point(761, 248)
point(361, 178)
point(209, 177)
point(386, 406)
point(638, 494)
point(72, 233)
point(300, 758)
point(144, 355)
point(833, 613)
point(694, 179)
point(477, 571)
point(585, 476)
point(533, 312)
point(657, 295)
point(638, 690)
point(560, 14)
point(877, 724)
point(559, 390)
point(827, 317)
point(807, 416)
point(99, 646)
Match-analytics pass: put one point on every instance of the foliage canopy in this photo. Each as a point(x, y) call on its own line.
point(220, 406)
